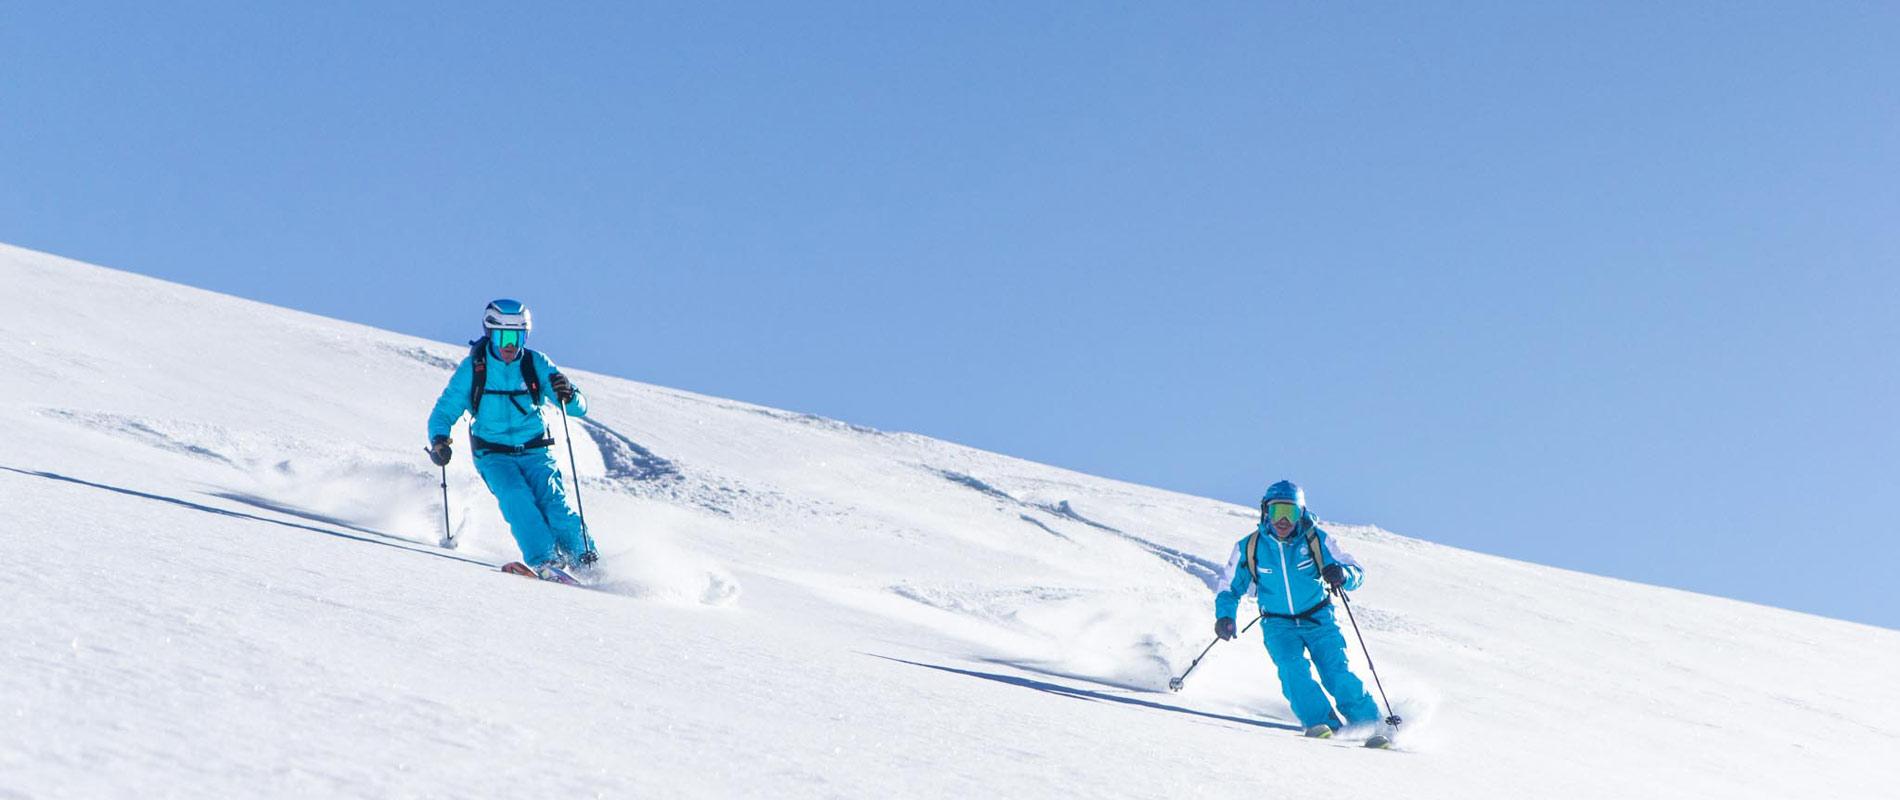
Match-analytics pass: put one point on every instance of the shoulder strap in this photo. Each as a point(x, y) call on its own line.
point(1252, 546)
point(530, 376)
point(478, 361)
point(1312, 546)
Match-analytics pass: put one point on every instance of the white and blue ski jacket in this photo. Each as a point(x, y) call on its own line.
point(508, 416)
point(1289, 583)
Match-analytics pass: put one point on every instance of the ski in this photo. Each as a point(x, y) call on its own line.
point(1377, 741)
point(551, 574)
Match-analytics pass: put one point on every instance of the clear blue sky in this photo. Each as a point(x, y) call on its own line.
point(1606, 286)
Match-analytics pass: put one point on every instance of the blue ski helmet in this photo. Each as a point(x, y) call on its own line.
point(1285, 491)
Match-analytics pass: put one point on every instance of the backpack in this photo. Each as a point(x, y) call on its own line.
point(478, 354)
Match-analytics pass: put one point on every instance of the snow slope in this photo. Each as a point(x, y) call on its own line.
point(221, 580)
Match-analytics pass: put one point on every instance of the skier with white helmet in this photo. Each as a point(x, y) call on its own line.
point(502, 386)
point(1290, 564)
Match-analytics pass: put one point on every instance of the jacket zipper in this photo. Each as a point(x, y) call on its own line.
point(1286, 581)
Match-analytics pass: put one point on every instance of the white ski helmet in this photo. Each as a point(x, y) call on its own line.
point(507, 315)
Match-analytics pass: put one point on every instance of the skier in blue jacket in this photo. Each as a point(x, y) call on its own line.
point(1289, 563)
point(511, 439)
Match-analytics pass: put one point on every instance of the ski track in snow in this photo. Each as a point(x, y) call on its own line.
point(1202, 569)
point(421, 355)
point(175, 437)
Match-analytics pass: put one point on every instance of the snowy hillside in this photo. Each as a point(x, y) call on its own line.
point(222, 581)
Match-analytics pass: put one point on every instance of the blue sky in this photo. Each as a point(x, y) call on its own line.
point(1606, 286)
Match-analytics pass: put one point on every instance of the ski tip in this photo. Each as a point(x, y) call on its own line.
point(518, 568)
point(1379, 741)
point(558, 575)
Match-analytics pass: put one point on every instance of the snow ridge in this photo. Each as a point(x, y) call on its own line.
point(224, 581)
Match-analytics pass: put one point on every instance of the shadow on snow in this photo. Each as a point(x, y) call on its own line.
point(372, 537)
point(1090, 695)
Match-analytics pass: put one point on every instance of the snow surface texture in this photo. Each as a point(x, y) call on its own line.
point(222, 581)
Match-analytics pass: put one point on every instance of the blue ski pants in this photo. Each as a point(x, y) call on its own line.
point(1289, 643)
point(534, 500)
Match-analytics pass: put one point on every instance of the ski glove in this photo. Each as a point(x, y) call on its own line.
point(439, 451)
point(1334, 574)
point(1224, 628)
point(563, 388)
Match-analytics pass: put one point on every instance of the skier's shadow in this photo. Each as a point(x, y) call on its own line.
point(382, 539)
point(292, 511)
point(1085, 694)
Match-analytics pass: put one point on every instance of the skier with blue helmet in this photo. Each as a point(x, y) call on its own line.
point(499, 385)
point(1292, 565)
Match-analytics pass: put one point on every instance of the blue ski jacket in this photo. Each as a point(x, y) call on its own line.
point(503, 419)
point(1289, 582)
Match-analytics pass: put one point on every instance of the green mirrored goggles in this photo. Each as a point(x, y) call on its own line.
point(507, 338)
point(1278, 510)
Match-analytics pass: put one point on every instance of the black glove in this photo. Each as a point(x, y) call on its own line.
point(1224, 627)
point(1334, 574)
point(563, 389)
point(439, 451)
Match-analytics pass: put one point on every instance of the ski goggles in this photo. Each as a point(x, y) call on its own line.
point(1280, 510)
point(503, 337)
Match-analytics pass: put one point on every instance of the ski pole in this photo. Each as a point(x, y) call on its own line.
point(1390, 718)
point(448, 538)
point(574, 473)
point(1175, 684)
